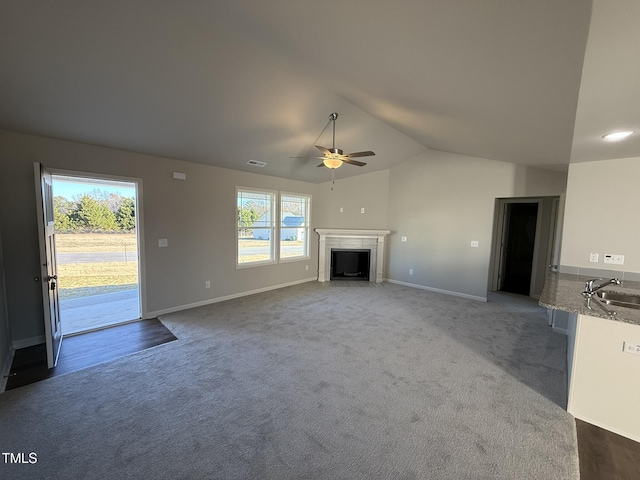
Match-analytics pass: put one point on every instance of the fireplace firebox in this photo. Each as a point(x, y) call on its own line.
point(350, 264)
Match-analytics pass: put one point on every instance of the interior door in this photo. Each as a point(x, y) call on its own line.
point(48, 275)
point(503, 246)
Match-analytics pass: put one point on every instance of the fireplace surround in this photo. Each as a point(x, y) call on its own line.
point(349, 239)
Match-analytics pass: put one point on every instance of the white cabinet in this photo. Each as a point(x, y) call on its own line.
point(604, 381)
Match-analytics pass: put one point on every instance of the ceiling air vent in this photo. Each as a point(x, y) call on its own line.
point(256, 163)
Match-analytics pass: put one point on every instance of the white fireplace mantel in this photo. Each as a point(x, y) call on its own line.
point(358, 239)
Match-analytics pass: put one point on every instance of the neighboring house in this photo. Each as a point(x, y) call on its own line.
point(286, 234)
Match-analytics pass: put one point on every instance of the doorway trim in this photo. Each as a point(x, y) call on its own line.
point(499, 244)
point(142, 291)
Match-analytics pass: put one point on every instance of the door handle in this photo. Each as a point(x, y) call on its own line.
point(51, 277)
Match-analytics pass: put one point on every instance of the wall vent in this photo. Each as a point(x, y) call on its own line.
point(256, 163)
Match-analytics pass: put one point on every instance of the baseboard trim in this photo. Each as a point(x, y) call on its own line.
point(561, 331)
point(227, 297)
point(438, 290)
point(28, 342)
point(6, 368)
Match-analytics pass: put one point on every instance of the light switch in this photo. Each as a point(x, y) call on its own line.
point(593, 257)
point(163, 242)
point(403, 238)
point(362, 210)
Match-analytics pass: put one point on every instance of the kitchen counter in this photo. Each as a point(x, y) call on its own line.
point(601, 373)
point(563, 291)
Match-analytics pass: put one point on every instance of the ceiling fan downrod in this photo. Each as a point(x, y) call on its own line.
point(332, 118)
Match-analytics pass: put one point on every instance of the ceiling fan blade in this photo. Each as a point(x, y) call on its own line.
point(323, 150)
point(353, 162)
point(368, 153)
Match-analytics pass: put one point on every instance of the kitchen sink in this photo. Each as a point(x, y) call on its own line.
point(618, 299)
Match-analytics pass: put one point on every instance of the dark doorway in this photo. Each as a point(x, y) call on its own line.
point(521, 219)
point(349, 264)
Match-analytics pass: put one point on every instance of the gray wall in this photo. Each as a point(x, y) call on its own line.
point(197, 216)
point(369, 191)
point(441, 202)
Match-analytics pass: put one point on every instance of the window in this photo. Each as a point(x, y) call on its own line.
point(256, 229)
point(257, 212)
point(294, 226)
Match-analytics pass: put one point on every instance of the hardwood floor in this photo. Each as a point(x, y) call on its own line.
point(85, 350)
point(603, 455)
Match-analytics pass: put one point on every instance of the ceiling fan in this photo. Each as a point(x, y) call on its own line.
point(334, 157)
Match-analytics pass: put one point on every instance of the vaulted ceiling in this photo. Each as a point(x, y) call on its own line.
point(534, 82)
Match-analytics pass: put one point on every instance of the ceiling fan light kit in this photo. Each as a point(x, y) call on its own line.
point(334, 157)
point(332, 163)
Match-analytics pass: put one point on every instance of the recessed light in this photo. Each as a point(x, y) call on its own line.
point(615, 136)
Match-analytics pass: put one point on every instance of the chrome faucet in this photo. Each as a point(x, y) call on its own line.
point(590, 288)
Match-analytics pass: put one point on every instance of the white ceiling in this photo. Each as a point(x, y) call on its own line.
point(224, 82)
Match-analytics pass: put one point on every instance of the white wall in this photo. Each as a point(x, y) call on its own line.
point(197, 216)
point(601, 214)
point(441, 202)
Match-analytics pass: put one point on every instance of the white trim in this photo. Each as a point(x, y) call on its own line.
point(307, 227)
point(438, 290)
point(343, 232)
point(28, 342)
point(373, 240)
point(274, 236)
point(561, 331)
point(228, 297)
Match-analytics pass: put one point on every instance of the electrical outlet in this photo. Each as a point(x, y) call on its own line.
point(614, 259)
point(207, 284)
point(593, 257)
point(341, 210)
point(630, 347)
point(411, 271)
point(403, 238)
point(474, 243)
point(163, 242)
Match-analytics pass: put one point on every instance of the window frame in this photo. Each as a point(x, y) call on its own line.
point(273, 236)
point(275, 227)
point(306, 227)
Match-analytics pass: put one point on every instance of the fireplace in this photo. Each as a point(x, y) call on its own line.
point(349, 264)
point(344, 239)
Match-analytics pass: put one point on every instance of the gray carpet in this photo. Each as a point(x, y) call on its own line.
point(313, 381)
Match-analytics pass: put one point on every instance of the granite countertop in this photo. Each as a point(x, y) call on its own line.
point(563, 291)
